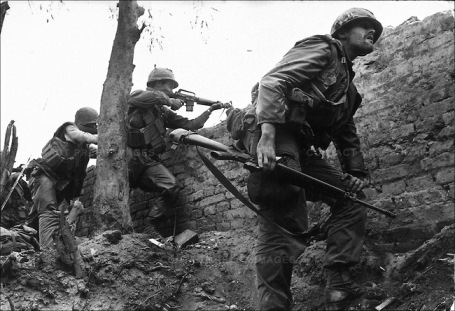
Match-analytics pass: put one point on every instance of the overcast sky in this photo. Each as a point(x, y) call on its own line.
point(49, 69)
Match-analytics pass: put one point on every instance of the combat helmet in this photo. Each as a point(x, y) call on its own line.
point(160, 74)
point(85, 120)
point(356, 15)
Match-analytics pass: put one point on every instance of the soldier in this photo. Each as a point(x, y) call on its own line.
point(60, 172)
point(148, 117)
point(306, 102)
point(19, 203)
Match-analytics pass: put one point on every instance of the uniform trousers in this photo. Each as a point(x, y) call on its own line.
point(277, 252)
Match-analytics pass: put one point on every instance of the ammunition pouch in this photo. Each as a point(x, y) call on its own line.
point(149, 137)
point(298, 104)
point(61, 156)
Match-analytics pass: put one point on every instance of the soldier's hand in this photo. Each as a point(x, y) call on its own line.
point(216, 106)
point(354, 184)
point(266, 147)
point(175, 103)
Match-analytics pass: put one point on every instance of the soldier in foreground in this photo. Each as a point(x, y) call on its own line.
point(304, 103)
point(60, 172)
point(150, 112)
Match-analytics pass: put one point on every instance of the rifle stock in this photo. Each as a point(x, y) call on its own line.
point(297, 178)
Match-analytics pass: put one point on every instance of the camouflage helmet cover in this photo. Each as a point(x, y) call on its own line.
point(85, 120)
point(356, 15)
point(160, 74)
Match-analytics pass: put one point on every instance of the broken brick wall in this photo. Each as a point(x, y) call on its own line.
point(407, 129)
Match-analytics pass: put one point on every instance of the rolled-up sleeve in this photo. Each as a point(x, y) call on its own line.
point(299, 66)
point(147, 99)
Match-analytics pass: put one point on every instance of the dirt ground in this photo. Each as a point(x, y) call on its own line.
point(127, 272)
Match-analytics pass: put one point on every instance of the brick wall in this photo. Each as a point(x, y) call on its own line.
point(406, 126)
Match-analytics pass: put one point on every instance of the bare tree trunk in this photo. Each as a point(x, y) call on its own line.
point(3, 8)
point(7, 158)
point(111, 210)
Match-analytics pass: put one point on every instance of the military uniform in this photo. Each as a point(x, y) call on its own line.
point(147, 121)
point(59, 174)
point(310, 99)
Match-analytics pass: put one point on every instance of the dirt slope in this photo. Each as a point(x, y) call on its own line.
point(129, 273)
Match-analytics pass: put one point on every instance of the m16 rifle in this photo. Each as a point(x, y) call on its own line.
point(190, 99)
point(294, 177)
point(223, 152)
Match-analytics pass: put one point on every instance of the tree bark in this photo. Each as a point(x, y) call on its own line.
point(7, 158)
point(3, 8)
point(111, 210)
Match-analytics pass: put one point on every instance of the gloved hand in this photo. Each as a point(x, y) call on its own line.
point(175, 103)
point(220, 105)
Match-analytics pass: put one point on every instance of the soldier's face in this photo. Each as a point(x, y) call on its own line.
point(360, 38)
point(165, 86)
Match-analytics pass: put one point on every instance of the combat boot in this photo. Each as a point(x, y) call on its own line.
point(340, 291)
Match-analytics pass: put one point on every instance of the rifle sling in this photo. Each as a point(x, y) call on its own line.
point(229, 186)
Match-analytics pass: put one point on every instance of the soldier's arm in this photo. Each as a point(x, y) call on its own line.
point(75, 135)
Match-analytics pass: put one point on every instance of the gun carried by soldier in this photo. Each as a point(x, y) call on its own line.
point(190, 99)
point(294, 177)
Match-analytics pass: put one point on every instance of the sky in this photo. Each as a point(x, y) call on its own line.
point(54, 59)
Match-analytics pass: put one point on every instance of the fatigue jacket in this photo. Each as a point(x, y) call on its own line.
point(70, 173)
point(321, 61)
point(147, 108)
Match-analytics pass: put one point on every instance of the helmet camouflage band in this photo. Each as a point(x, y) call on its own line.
point(161, 74)
point(354, 15)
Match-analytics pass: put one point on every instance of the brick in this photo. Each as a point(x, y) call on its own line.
point(419, 183)
point(234, 214)
point(390, 159)
point(403, 132)
point(186, 238)
point(391, 173)
point(196, 214)
point(224, 226)
point(212, 200)
point(394, 188)
point(445, 176)
point(442, 160)
point(446, 132)
point(440, 146)
point(237, 224)
point(209, 210)
point(437, 108)
point(449, 118)
point(198, 195)
point(222, 206)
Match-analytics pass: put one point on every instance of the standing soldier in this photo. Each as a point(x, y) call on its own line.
point(60, 172)
point(306, 102)
point(148, 117)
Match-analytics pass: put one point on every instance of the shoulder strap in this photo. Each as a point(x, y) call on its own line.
point(301, 236)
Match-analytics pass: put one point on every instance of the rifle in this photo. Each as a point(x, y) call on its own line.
point(294, 177)
point(190, 98)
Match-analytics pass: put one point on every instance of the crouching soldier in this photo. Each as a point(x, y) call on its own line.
point(60, 172)
point(150, 112)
